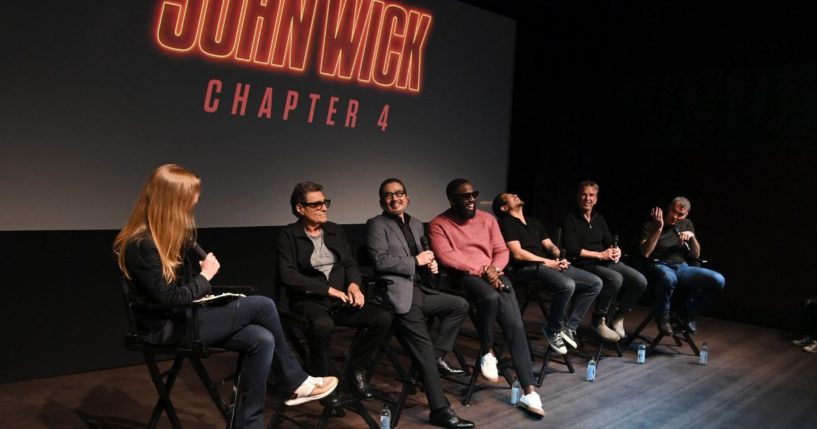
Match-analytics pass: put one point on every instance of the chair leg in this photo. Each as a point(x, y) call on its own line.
point(211, 387)
point(163, 388)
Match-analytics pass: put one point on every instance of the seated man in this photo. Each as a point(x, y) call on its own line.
point(588, 240)
point(670, 241)
point(468, 240)
point(394, 240)
point(323, 281)
point(529, 245)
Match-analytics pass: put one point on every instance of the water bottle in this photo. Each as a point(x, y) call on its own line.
point(703, 356)
point(642, 353)
point(591, 370)
point(516, 391)
point(385, 417)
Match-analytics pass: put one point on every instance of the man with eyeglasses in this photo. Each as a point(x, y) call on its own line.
point(395, 242)
point(468, 241)
point(316, 265)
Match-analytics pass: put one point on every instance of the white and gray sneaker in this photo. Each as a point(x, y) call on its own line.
point(532, 404)
point(488, 368)
point(557, 344)
point(810, 347)
point(569, 335)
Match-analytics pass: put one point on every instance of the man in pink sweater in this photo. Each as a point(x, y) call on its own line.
point(468, 241)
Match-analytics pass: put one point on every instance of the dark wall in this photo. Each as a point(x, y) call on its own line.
point(712, 100)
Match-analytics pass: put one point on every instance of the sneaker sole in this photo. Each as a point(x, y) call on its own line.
point(570, 342)
point(538, 412)
point(302, 400)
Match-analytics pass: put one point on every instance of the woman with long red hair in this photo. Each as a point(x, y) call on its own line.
point(153, 252)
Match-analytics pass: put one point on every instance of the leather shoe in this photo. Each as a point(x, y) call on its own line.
point(446, 370)
point(446, 418)
point(364, 390)
point(664, 325)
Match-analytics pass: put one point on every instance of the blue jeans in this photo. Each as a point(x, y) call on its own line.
point(699, 286)
point(581, 285)
point(251, 326)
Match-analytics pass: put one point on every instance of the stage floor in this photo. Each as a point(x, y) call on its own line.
point(755, 379)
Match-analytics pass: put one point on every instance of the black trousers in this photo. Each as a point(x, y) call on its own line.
point(413, 332)
point(495, 306)
point(322, 316)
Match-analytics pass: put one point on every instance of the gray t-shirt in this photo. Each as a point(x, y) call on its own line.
point(322, 258)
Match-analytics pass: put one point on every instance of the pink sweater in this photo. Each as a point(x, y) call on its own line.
point(468, 245)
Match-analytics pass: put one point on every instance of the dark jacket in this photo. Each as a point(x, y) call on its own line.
point(148, 285)
point(296, 271)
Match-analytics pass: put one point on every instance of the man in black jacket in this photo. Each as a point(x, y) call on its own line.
point(316, 265)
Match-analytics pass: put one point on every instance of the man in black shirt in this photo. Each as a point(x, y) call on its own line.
point(589, 242)
point(529, 245)
point(670, 241)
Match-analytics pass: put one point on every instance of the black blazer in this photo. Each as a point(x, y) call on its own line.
point(148, 285)
point(297, 273)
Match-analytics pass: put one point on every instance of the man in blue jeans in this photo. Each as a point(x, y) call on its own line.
point(531, 250)
point(669, 240)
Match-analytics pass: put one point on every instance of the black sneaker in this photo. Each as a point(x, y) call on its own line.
point(555, 340)
point(569, 336)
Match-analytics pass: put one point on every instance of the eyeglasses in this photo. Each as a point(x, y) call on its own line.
point(317, 204)
point(468, 195)
point(393, 195)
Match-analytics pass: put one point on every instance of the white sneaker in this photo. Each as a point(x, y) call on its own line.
point(532, 404)
point(569, 335)
point(312, 389)
point(488, 368)
point(811, 347)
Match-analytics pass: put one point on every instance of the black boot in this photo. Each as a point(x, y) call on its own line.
point(361, 384)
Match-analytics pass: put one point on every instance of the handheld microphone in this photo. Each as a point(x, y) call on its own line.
point(563, 254)
point(200, 250)
point(427, 246)
point(424, 242)
point(615, 240)
point(678, 233)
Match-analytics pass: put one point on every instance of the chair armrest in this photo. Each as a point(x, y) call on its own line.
point(151, 306)
point(246, 290)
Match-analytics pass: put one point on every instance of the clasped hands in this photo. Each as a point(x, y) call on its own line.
point(353, 295)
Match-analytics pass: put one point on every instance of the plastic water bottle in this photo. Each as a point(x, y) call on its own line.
point(385, 417)
point(703, 356)
point(591, 370)
point(516, 391)
point(642, 353)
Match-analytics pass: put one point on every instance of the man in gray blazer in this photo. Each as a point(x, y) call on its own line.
point(395, 243)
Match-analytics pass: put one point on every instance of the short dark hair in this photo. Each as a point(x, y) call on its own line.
point(586, 184)
point(499, 202)
point(299, 194)
point(451, 188)
point(388, 181)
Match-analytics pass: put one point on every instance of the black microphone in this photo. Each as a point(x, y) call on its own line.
point(427, 246)
point(200, 250)
point(678, 233)
point(424, 242)
point(615, 240)
point(563, 254)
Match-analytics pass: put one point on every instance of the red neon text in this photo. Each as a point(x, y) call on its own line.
point(368, 41)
